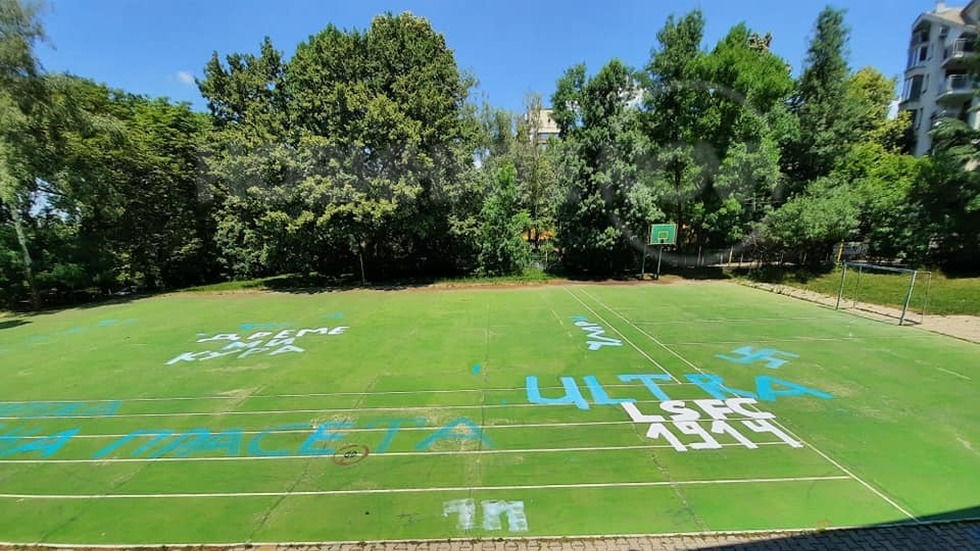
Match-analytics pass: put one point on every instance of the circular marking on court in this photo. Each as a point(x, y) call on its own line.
point(351, 455)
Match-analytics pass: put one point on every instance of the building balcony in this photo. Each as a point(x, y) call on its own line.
point(956, 88)
point(958, 51)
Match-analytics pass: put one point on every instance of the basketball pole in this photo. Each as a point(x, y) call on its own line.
point(660, 255)
point(643, 264)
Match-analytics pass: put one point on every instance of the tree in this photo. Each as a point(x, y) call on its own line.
point(536, 179)
point(714, 160)
point(882, 181)
point(503, 250)
point(810, 224)
point(675, 102)
point(948, 196)
point(827, 120)
point(870, 93)
point(355, 151)
point(603, 208)
point(20, 91)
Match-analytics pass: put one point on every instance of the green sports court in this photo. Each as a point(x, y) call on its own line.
point(556, 410)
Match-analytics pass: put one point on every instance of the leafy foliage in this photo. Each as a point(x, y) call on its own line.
point(362, 153)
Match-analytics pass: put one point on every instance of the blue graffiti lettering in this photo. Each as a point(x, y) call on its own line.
point(28, 410)
point(599, 396)
point(48, 445)
point(229, 441)
point(648, 380)
point(174, 444)
point(572, 393)
point(323, 434)
point(393, 426)
point(763, 385)
point(715, 386)
point(768, 356)
point(160, 434)
point(712, 384)
point(255, 444)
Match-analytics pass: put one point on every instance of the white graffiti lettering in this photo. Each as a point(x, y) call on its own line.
point(685, 417)
point(258, 343)
point(493, 510)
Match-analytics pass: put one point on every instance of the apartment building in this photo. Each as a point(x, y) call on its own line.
point(545, 128)
point(936, 81)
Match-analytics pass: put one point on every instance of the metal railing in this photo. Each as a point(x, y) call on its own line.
point(960, 48)
point(956, 84)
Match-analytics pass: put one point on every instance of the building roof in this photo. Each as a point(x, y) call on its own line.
point(953, 15)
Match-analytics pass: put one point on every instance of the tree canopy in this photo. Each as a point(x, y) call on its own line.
point(362, 154)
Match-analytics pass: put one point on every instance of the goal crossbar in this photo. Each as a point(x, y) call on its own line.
point(861, 266)
point(879, 267)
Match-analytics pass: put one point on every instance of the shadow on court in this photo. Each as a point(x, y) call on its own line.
point(945, 532)
point(10, 324)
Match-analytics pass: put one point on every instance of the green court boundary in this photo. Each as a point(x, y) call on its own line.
point(599, 304)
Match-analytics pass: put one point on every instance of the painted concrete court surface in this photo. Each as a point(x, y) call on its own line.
point(553, 411)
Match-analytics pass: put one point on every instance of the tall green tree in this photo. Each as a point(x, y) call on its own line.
point(870, 93)
point(882, 181)
point(714, 159)
point(675, 102)
point(948, 194)
point(354, 152)
point(827, 120)
point(809, 225)
point(21, 90)
point(604, 207)
point(503, 249)
point(535, 173)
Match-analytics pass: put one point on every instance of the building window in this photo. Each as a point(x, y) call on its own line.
point(917, 56)
point(913, 88)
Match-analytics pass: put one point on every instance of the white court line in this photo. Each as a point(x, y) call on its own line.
point(434, 407)
point(610, 326)
point(388, 428)
point(648, 335)
point(790, 433)
point(961, 376)
point(724, 320)
point(791, 339)
point(430, 490)
point(310, 395)
point(371, 455)
point(849, 473)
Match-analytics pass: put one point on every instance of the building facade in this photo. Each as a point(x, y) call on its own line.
point(545, 128)
point(936, 81)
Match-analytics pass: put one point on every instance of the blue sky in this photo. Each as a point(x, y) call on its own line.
point(155, 47)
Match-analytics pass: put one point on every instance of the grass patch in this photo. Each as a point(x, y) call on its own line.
point(530, 276)
point(946, 295)
point(289, 282)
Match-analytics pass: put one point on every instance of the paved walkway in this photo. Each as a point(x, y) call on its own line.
point(963, 536)
point(954, 536)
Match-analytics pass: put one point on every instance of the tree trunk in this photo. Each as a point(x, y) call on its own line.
point(28, 263)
